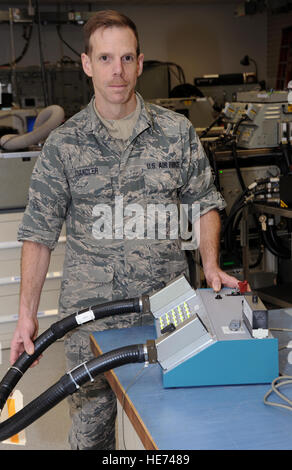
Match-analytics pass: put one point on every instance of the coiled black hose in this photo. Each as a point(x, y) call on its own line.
point(68, 384)
point(274, 244)
point(59, 329)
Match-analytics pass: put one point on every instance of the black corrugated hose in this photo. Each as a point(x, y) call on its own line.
point(68, 384)
point(59, 329)
point(274, 244)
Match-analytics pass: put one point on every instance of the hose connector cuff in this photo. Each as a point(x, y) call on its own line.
point(151, 351)
point(144, 303)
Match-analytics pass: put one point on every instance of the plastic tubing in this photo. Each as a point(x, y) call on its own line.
point(47, 120)
point(58, 330)
point(68, 384)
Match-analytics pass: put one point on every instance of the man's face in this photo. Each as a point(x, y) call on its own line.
point(113, 65)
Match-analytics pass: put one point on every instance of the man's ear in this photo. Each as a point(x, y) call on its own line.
point(86, 64)
point(140, 64)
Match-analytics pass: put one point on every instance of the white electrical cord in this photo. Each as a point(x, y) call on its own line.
point(279, 382)
point(276, 384)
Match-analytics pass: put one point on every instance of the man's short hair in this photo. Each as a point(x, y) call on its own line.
point(107, 19)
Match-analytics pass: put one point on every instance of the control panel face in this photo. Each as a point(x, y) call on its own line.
point(203, 336)
point(175, 316)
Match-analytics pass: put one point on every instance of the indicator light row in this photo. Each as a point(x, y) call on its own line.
point(176, 315)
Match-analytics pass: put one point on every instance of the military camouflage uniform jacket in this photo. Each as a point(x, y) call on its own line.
point(81, 166)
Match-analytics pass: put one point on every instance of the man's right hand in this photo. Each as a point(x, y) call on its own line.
point(35, 259)
point(25, 333)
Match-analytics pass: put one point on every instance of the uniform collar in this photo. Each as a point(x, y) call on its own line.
point(95, 125)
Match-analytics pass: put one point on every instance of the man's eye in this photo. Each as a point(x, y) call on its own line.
point(104, 58)
point(128, 58)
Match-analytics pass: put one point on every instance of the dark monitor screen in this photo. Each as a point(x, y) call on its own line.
point(30, 120)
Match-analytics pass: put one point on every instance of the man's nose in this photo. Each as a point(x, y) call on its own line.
point(118, 67)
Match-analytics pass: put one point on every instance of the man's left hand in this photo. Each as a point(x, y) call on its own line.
point(218, 278)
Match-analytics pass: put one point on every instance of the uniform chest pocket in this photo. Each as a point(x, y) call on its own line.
point(91, 186)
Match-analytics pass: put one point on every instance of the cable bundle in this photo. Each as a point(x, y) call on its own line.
point(265, 190)
point(68, 384)
point(58, 329)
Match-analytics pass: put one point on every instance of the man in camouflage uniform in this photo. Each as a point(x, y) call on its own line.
point(117, 149)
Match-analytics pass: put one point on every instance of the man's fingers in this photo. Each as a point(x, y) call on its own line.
point(18, 346)
point(220, 279)
point(216, 285)
point(14, 354)
point(28, 346)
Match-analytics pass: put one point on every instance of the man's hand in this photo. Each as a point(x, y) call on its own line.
point(216, 278)
point(35, 260)
point(209, 249)
point(24, 335)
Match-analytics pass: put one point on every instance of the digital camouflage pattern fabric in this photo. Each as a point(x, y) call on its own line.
point(81, 167)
